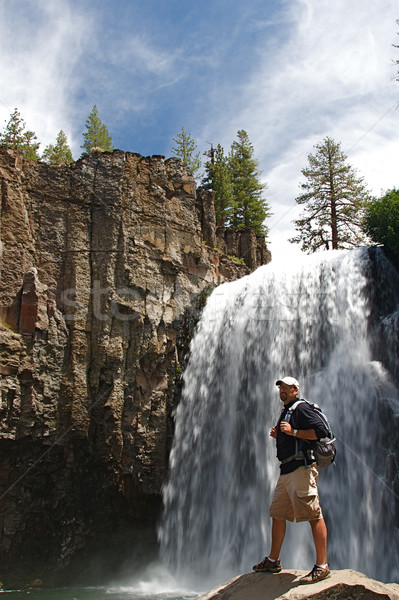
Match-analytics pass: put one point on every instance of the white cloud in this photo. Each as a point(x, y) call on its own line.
point(57, 60)
point(332, 76)
point(40, 49)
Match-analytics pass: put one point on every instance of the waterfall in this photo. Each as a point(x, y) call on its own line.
point(310, 320)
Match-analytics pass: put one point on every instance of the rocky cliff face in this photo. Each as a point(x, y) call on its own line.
point(103, 264)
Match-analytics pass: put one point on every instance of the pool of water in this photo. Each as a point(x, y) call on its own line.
point(122, 593)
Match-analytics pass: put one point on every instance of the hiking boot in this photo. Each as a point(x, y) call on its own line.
point(268, 565)
point(315, 575)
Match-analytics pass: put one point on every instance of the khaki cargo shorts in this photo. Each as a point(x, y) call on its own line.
point(296, 497)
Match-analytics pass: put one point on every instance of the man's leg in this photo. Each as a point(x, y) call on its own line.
point(319, 531)
point(271, 563)
point(280, 505)
point(321, 569)
point(278, 533)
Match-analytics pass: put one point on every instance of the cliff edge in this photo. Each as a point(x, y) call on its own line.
point(105, 264)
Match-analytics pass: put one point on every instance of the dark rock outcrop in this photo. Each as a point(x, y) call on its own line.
point(101, 263)
point(243, 243)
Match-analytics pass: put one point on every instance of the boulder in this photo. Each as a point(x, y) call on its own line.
point(341, 585)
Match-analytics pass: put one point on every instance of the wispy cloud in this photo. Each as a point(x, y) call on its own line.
point(331, 75)
point(140, 54)
point(335, 56)
point(41, 46)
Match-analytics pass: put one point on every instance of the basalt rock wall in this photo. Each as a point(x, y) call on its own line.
point(103, 264)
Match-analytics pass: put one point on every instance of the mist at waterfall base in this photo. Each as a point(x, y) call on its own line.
point(318, 321)
point(156, 583)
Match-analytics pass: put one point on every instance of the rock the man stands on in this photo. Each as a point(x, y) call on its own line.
point(296, 495)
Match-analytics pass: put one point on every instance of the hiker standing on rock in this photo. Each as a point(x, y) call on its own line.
point(296, 495)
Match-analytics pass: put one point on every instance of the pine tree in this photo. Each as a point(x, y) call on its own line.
point(96, 136)
point(218, 180)
point(15, 136)
point(249, 208)
point(186, 150)
point(60, 154)
point(334, 199)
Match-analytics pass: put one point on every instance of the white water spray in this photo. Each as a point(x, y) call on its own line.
point(309, 321)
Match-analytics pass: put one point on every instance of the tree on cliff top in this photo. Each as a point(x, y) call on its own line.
point(334, 199)
point(218, 180)
point(15, 136)
point(60, 154)
point(249, 208)
point(186, 150)
point(96, 136)
point(382, 220)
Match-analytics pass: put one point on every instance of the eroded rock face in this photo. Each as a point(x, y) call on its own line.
point(102, 261)
point(245, 244)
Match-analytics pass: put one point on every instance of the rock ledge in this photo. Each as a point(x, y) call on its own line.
point(341, 585)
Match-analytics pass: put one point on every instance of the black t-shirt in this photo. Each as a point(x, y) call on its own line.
point(303, 417)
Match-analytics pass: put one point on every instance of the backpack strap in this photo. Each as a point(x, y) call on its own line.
point(291, 410)
point(299, 455)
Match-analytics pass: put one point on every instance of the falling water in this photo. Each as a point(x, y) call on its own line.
point(312, 321)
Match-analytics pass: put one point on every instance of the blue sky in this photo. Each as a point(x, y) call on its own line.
point(289, 72)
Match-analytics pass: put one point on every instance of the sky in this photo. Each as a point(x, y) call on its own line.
point(288, 72)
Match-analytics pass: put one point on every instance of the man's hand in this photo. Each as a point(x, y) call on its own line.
point(273, 432)
point(286, 428)
point(303, 434)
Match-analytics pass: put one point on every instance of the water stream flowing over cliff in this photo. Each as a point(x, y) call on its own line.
point(317, 321)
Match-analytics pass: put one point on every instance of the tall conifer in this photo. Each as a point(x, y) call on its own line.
point(96, 136)
point(218, 179)
point(185, 149)
point(250, 208)
point(334, 199)
point(15, 136)
point(60, 154)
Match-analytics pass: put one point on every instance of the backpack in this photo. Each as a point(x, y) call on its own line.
point(323, 451)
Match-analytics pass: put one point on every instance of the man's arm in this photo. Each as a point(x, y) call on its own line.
point(302, 434)
point(309, 420)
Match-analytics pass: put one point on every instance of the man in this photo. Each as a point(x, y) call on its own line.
point(296, 495)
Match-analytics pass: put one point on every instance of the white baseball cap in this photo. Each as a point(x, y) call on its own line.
point(288, 381)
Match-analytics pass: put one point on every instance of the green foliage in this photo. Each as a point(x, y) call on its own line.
point(186, 150)
point(14, 136)
point(334, 199)
point(382, 220)
point(237, 260)
point(96, 136)
point(236, 186)
point(60, 154)
point(218, 179)
point(250, 209)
